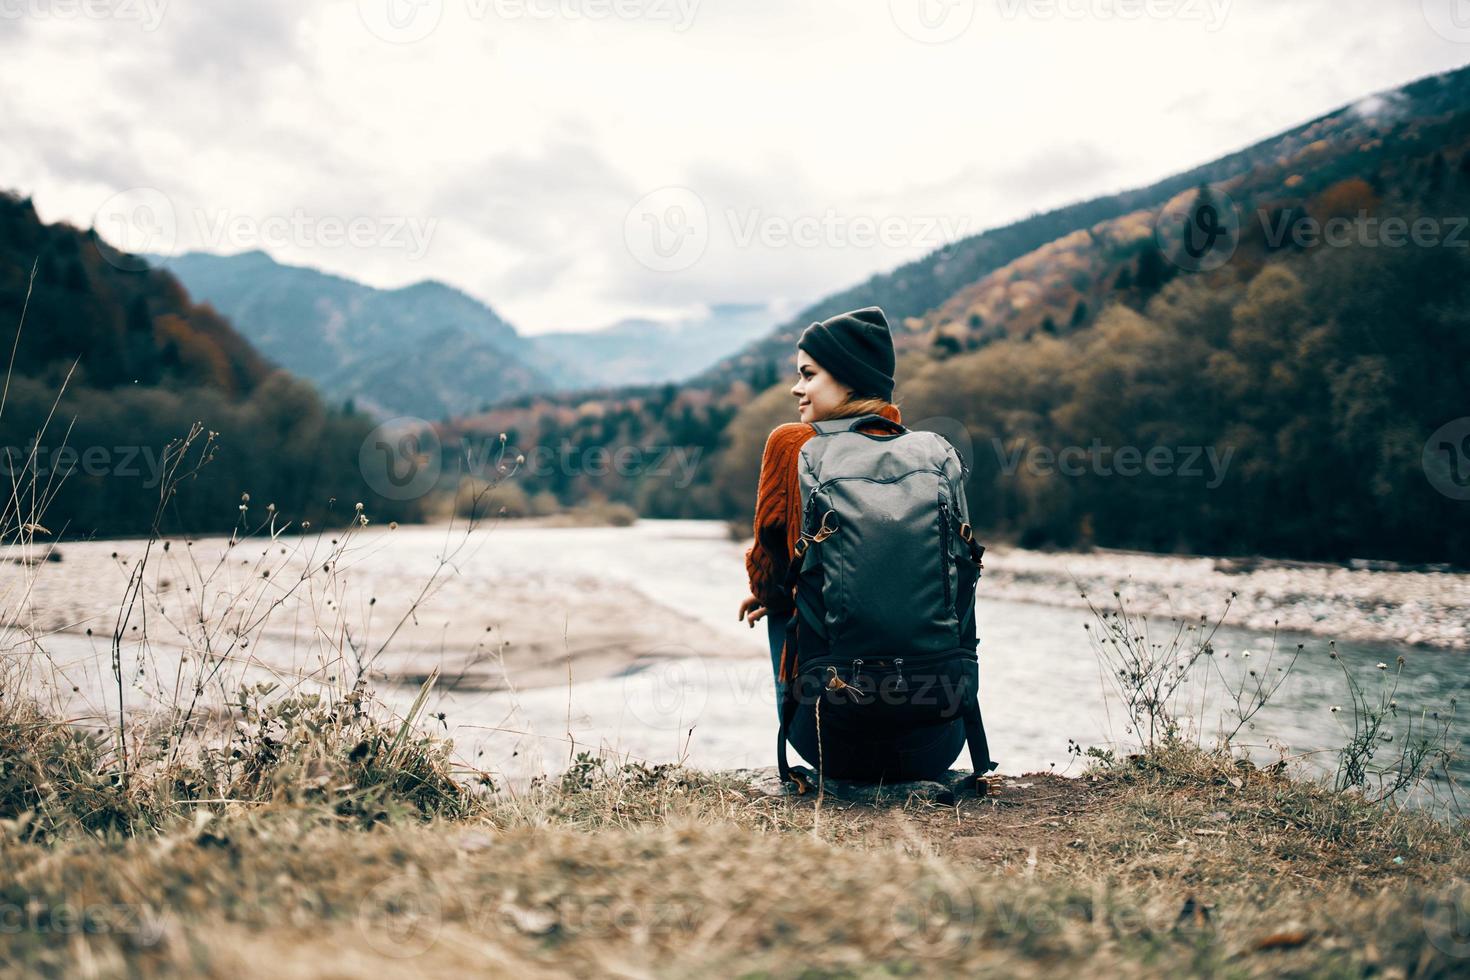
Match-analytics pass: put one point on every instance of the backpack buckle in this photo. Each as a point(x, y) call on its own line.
point(824, 532)
point(967, 533)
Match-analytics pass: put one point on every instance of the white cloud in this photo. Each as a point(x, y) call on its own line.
point(523, 131)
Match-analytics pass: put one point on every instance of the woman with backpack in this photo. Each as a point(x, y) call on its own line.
point(864, 568)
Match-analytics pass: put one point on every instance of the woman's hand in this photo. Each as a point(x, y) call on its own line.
point(751, 610)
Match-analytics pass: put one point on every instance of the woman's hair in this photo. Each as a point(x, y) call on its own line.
point(859, 405)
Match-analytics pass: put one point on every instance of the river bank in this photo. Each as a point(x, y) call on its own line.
point(544, 640)
point(1417, 608)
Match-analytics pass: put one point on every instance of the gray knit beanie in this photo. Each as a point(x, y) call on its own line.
point(856, 348)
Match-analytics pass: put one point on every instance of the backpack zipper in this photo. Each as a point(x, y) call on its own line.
point(857, 666)
point(944, 552)
point(902, 685)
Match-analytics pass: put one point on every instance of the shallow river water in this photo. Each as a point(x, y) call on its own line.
point(1041, 682)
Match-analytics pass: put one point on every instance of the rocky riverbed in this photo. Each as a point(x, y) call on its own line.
point(1424, 608)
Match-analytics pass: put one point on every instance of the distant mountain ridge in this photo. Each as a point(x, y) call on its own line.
point(918, 288)
point(426, 350)
point(433, 351)
point(642, 351)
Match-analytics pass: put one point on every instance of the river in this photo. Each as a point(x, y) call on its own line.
point(628, 643)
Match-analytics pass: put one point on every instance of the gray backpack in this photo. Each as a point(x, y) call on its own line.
point(885, 569)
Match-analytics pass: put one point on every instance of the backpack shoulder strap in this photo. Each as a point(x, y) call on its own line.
point(827, 427)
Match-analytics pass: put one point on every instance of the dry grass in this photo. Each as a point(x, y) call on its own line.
point(1176, 862)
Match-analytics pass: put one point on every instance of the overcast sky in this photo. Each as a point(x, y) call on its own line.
point(572, 162)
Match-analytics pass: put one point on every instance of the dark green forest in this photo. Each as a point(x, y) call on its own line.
point(113, 363)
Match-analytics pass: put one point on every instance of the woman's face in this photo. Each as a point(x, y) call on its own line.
point(818, 394)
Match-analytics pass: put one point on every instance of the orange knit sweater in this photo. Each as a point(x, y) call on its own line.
point(778, 514)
